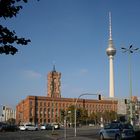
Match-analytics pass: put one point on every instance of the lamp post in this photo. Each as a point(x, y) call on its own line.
point(69, 113)
point(130, 50)
point(99, 95)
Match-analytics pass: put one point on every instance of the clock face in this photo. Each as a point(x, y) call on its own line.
point(55, 80)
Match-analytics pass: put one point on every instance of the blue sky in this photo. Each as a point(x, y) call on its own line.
point(74, 34)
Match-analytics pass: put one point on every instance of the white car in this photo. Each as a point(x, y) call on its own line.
point(91, 124)
point(43, 127)
point(28, 127)
point(56, 126)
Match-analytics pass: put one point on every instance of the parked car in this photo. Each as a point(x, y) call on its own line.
point(8, 127)
point(43, 127)
point(3, 126)
point(49, 126)
point(12, 127)
point(28, 127)
point(56, 125)
point(91, 124)
point(117, 131)
point(21, 127)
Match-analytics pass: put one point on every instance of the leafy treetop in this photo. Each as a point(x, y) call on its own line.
point(10, 9)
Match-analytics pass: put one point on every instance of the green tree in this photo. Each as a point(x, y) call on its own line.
point(62, 115)
point(113, 115)
point(84, 114)
point(92, 117)
point(71, 115)
point(98, 117)
point(109, 116)
point(8, 38)
point(106, 116)
point(11, 121)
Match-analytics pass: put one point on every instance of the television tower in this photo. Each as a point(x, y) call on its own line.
point(111, 51)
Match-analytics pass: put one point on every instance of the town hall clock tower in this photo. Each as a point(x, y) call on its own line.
point(54, 84)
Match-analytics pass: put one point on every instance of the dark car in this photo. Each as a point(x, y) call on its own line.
point(8, 127)
point(49, 126)
point(117, 131)
point(12, 127)
point(3, 126)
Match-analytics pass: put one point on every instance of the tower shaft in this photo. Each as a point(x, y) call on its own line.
point(111, 77)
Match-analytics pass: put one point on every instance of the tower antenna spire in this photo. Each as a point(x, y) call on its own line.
point(110, 27)
point(54, 66)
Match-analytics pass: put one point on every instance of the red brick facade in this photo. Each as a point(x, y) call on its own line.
point(37, 109)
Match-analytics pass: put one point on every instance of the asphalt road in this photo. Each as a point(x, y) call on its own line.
point(86, 133)
point(82, 133)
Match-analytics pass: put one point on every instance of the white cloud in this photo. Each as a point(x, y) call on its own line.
point(31, 74)
point(83, 72)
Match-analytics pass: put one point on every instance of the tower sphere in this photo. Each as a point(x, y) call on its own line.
point(111, 51)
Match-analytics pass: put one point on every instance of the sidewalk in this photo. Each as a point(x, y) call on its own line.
point(58, 137)
point(70, 136)
point(76, 138)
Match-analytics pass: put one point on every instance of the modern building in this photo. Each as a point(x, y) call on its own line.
point(46, 109)
point(7, 113)
point(135, 109)
point(122, 107)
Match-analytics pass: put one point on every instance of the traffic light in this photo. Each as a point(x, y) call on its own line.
point(125, 101)
point(99, 96)
point(78, 114)
point(62, 113)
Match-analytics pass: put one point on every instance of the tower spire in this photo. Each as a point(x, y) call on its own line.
point(110, 27)
point(54, 70)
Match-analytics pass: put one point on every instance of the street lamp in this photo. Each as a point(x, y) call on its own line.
point(99, 97)
point(130, 50)
point(69, 113)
